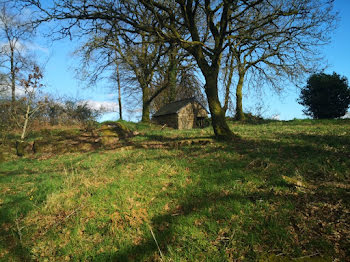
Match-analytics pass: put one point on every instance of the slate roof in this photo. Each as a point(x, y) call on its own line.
point(174, 107)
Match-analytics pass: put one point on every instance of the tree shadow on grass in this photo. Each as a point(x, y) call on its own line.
point(164, 237)
point(17, 202)
point(278, 158)
point(215, 198)
point(335, 143)
point(10, 234)
point(165, 138)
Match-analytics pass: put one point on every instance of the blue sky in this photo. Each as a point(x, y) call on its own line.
point(61, 81)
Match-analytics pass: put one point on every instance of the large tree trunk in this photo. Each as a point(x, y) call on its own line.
point(221, 129)
point(145, 104)
point(145, 113)
point(239, 107)
point(172, 75)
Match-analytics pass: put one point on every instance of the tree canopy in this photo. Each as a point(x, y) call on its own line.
point(206, 30)
point(325, 96)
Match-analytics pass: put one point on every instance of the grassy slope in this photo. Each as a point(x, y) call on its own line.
point(282, 190)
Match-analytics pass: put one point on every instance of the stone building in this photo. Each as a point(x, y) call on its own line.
point(183, 114)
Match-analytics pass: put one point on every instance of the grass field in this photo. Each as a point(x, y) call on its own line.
point(279, 193)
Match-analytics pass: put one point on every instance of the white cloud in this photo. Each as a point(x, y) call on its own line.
point(5, 47)
point(276, 117)
point(20, 91)
point(105, 106)
point(24, 47)
point(134, 111)
point(6, 91)
point(346, 116)
point(36, 47)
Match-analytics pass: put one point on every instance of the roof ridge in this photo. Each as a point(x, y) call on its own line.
point(174, 107)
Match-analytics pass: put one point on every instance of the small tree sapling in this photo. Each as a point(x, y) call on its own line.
point(31, 85)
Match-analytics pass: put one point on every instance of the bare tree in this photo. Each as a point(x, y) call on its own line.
point(206, 29)
point(31, 86)
point(13, 54)
point(98, 62)
point(280, 42)
point(151, 66)
point(140, 59)
point(179, 73)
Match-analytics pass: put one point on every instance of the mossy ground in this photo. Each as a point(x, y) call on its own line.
point(279, 192)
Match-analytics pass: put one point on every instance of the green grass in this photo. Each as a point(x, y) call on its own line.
point(280, 192)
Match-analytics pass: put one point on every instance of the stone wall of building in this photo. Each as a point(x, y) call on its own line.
point(169, 120)
point(186, 118)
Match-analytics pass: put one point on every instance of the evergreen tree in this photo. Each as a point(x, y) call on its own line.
point(325, 96)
